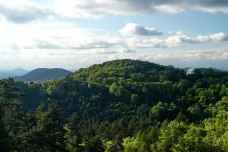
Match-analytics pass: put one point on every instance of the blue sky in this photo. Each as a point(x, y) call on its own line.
point(73, 34)
point(187, 21)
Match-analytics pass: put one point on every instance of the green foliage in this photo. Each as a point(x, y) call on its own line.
point(49, 128)
point(4, 143)
point(169, 136)
point(122, 105)
point(73, 137)
point(130, 144)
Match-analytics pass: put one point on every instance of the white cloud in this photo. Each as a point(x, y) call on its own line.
point(119, 50)
point(179, 40)
point(169, 8)
point(57, 35)
point(216, 58)
point(52, 35)
point(24, 11)
point(76, 59)
point(76, 41)
point(179, 33)
point(212, 54)
point(45, 33)
point(56, 38)
point(131, 29)
point(98, 8)
point(213, 37)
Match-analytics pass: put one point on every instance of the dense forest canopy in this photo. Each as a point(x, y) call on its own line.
point(122, 105)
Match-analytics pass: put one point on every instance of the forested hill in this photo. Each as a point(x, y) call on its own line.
point(43, 74)
point(128, 70)
point(122, 105)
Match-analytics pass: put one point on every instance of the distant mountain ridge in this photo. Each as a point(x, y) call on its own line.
point(219, 69)
point(44, 74)
point(19, 71)
point(12, 73)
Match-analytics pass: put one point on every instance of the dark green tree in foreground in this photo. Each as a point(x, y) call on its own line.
point(73, 135)
point(49, 128)
point(4, 143)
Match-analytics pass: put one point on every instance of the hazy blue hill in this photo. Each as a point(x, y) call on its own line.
point(12, 73)
point(43, 74)
point(4, 74)
point(72, 70)
point(19, 71)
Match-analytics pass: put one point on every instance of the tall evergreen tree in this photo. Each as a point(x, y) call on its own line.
point(49, 128)
point(73, 136)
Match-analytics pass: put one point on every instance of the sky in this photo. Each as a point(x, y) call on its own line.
point(74, 34)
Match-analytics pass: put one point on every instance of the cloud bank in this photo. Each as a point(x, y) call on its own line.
point(180, 40)
point(45, 31)
point(29, 10)
point(216, 58)
point(132, 29)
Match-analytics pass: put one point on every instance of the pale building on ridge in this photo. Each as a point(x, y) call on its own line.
point(190, 71)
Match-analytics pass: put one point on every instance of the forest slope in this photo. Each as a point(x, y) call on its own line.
point(122, 105)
